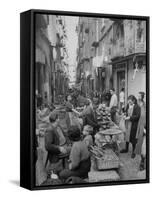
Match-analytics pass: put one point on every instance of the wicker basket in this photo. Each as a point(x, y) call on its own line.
point(109, 161)
point(100, 176)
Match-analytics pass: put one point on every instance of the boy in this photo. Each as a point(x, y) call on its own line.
point(79, 156)
point(87, 133)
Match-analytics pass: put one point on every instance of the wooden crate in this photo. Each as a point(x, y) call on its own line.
point(101, 176)
point(109, 161)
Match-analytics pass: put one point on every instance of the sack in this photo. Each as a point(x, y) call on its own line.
point(122, 125)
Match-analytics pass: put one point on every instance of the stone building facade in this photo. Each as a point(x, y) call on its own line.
point(111, 53)
point(50, 68)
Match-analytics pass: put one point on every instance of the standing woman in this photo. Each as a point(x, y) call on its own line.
point(141, 127)
point(131, 119)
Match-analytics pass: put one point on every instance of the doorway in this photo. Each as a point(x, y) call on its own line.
point(120, 81)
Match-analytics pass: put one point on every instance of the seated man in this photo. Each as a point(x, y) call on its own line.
point(79, 157)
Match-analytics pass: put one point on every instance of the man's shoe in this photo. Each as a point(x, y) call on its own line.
point(133, 155)
point(124, 151)
point(142, 165)
point(141, 168)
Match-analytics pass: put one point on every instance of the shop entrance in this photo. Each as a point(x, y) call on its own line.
point(120, 81)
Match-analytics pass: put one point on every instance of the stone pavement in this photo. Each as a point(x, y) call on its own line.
point(129, 168)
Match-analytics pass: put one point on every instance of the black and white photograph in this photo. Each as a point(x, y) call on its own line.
point(90, 99)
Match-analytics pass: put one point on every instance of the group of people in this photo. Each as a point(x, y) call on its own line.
point(71, 133)
point(134, 115)
point(135, 127)
point(71, 144)
point(68, 138)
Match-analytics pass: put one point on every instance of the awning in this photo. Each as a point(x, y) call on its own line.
point(125, 58)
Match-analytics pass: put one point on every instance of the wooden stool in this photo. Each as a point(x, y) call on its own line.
point(63, 158)
point(60, 156)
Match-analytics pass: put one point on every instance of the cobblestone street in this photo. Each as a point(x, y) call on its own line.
point(129, 169)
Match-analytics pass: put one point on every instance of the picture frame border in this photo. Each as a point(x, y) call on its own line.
point(27, 98)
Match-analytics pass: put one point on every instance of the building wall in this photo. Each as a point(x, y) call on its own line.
point(134, 36)
point(49, 42)
point(94, 39)
point(43, 48)
point(106, 44)
point(134, 41)
point(133, 85)
point(120, 67)
point(138, 83)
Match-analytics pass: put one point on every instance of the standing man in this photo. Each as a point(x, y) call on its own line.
point(54, 141)
point(122, 96)
point(113, 105)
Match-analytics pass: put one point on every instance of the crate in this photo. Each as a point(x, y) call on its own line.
point(108, 161)
point(102, 176)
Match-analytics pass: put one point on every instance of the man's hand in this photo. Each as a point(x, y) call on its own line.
point(63, 150)
point(144, 131)
point(127, 118)
point(70, 166)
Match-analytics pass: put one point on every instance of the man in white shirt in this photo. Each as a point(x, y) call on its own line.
point(113, 105)
point(122, 96)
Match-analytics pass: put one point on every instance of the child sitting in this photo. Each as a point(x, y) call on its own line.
point(87, 134)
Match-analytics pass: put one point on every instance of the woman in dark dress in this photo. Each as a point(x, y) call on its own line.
point(132, 117)
point(141, 130)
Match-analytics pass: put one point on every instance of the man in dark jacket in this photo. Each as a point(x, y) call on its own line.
point(54, 141)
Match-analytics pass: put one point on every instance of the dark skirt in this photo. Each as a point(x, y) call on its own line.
point(133, 138)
